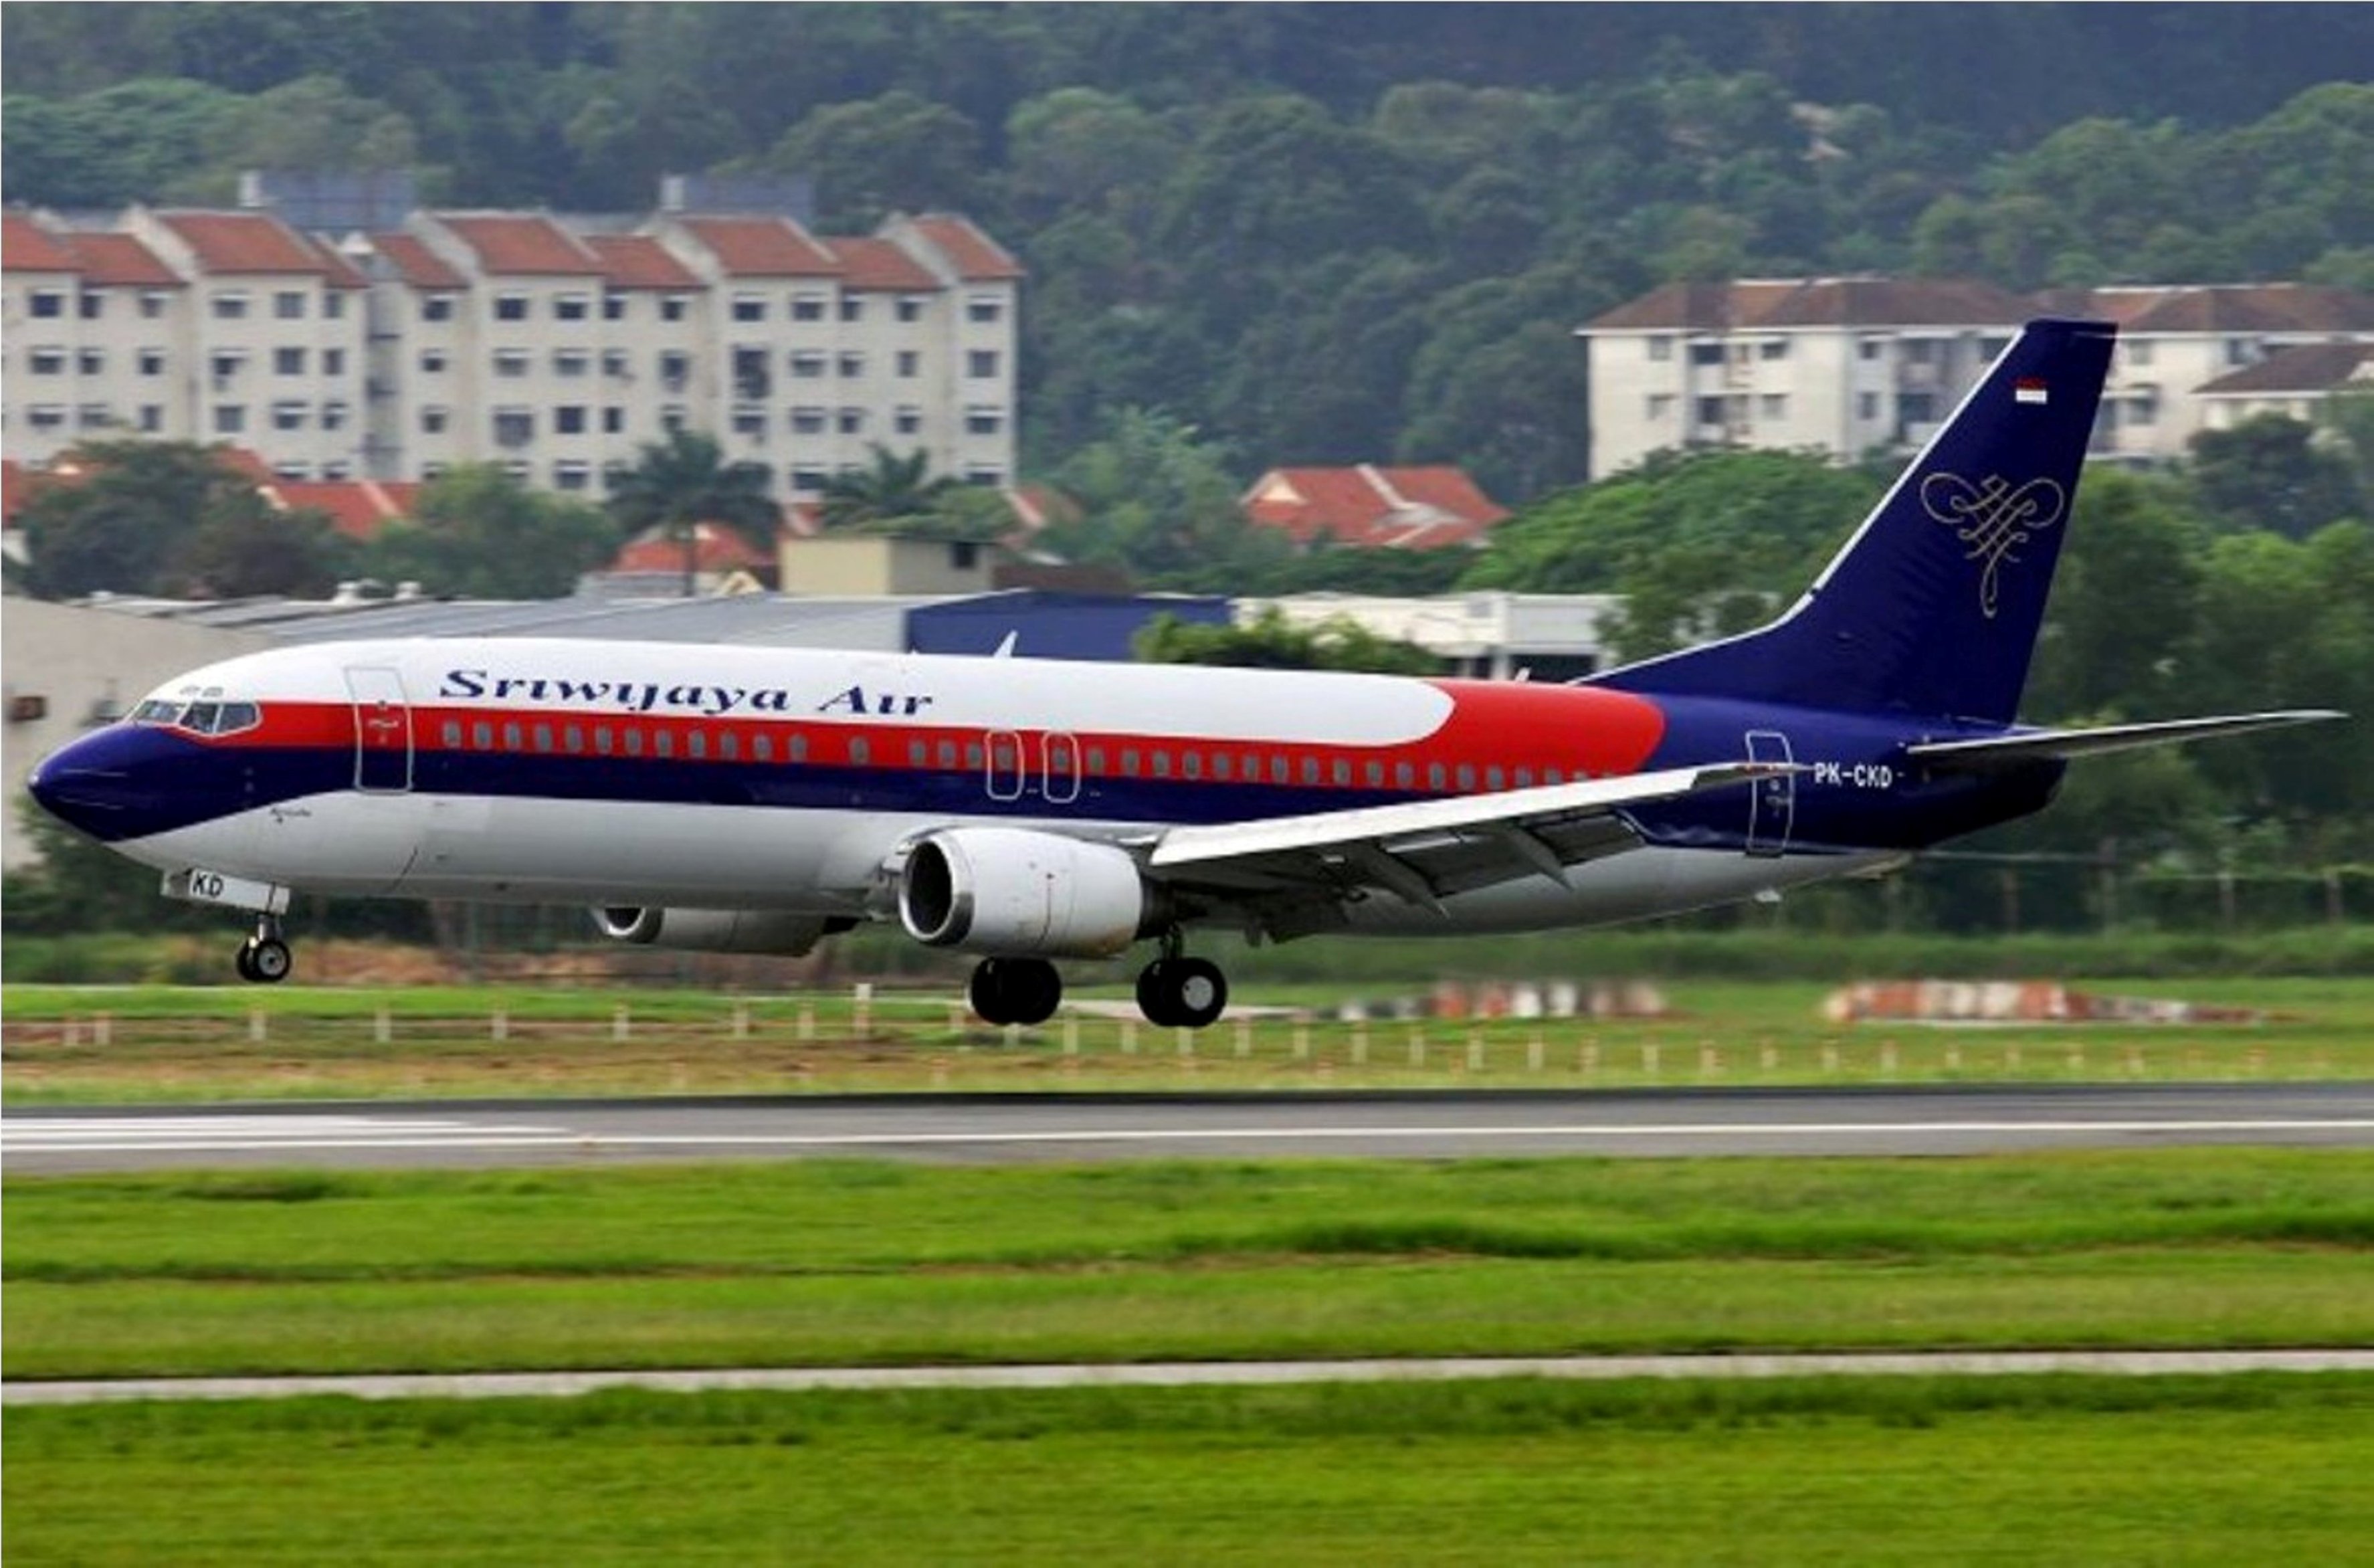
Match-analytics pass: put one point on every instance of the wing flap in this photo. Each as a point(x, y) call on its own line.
point(2062, 744)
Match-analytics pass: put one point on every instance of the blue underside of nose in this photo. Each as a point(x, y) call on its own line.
point(129, 781)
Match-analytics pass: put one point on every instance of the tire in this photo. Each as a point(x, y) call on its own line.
point(268, 961)
point(245, 963)
point(1154, 993)
point(1187, 993)
point(1034, 990)
point(986, 992)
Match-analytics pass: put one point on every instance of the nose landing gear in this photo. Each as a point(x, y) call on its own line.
point(265, 959)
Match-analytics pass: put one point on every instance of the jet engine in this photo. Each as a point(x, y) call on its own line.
point(1012, 892)
point(717, 930)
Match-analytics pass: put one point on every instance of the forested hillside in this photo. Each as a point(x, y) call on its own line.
point(1315, 233)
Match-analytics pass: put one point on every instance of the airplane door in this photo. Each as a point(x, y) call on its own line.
point(1062, 771)
point(1773, 806)
point(383, 730)
point(1007, 765)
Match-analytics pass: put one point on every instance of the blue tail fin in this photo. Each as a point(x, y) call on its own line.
point(1932, 608)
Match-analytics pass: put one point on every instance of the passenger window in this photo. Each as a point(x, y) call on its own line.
point(1494, 779)
point(1096, 758)
point(1343, 772)
point(1128, 762)
point(602, 739)
point(762, 748)
point(1525, 778)
point(482, 736)
point(1162, 765)
point(510, 737)
point(634, 743)
point(662, 743)
point(453, 733)
point(1191, 764)
point(798, 750)
point(917, 753)
point(1554, 775)
point(948, 754)
point(1310, 770)
point(1277, 770)
point(975, 757)
point(1405, 776)
point(573, 739)
point(1435, 777)
point(1466, 776)
point(543, 738)
point(696, 744)
point(729, 746)
point(1376, 774)
point(859, 752)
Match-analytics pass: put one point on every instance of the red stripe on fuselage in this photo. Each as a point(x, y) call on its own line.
point(1503, 735)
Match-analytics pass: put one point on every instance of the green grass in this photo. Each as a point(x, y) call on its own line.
point(98, 1046)
point(860, 1263)
point(2164, 1471)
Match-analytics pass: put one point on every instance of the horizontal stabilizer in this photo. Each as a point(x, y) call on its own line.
point(2061, 745)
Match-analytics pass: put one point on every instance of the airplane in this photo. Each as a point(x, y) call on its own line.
point(1022, 811)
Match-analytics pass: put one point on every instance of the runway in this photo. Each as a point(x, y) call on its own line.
point(991, 1128)
point(1180, 1375)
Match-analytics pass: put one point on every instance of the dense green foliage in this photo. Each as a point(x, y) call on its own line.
point(1320, 233)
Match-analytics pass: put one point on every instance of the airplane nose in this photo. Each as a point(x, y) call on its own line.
point(87, 785)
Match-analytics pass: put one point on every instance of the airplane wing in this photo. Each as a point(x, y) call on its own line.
point(1422, 850)
point(2030, 746)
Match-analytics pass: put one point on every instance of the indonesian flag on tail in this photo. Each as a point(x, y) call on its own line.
point(2028, 389)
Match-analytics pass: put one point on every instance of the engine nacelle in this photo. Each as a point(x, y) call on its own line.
point(716, 930)
point(1011, 892)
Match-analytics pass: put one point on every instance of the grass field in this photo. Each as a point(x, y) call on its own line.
point(2250, 1469)
point(98, 1044)
point(860, 1263)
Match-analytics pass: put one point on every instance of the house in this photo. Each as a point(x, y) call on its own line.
point(1368, 507)
point(2299, 383)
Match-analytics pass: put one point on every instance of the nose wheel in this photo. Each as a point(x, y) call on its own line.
point(1023, 991)
point(1174, 992)
point(263, 958)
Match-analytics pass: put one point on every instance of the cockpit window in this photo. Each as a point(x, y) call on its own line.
point(205, 716)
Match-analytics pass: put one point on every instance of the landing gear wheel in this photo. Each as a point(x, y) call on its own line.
point(265, 960)
point(1183, 993)
point(1023, 991)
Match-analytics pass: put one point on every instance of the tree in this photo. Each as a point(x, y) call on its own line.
point(893, 493)
point(1269, 643)
point(884, 155)
point(684, 481)
point(2270, 472)
point(1157, 500)
point(479, 533)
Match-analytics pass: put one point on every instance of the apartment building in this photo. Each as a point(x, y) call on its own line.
point(1847, 366)
point(555, 349)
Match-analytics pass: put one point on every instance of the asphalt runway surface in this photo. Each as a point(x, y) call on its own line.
point(993, 1129)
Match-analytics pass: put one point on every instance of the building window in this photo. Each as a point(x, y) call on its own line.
point(807, 481)
point(852, 308)
point(572, 307)
point(980, 364)
point(749, 307)
point(514, 428)
point(95, 416)
point(983, 309)
point(224, 363)
point(48, 304)
point(614, 363)
point(1776, 350)
point(1867, 405)
point(94, 303)
point(231, 305)
point(572, 476)
point(152, 361)
point(984, 420)
point(749, 420)
point(152, 304)
point(614, 307)
point(911, 309)
point(571, 363)
point(807, 364)
point(289, 416)
point(853, 365)
point(1869, 349)
point(230, 418)
point(911, 364)
point(751, 381)
point(152, 418)
point(91, 362)
point(436, 307)
point(568, 419)
point(288, 361)
point(1706, 353)
point(434, 418)
point(807, 421)
point(984, 473)
point(807, 307)
point(334, 361)
point(676, 368)
point(334, 305)
point(47, 361)
point(909, 419)
point(334, 415)
point(288, 304)
point(852, 422)
point(613, 420)
point(672, 418)
point(47, 416)
point(511, 363)
point(432, 361)
point(676, 307)
point(511, 307)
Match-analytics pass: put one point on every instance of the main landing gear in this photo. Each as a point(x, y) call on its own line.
point(1174, 991)
point(263, 958)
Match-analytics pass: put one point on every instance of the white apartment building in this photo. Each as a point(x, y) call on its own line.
point(556, 350)
point(1847, 366)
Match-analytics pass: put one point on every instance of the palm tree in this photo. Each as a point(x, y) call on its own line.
point(894, 490)
point(684, 481)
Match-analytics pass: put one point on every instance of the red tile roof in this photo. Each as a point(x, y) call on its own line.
point(881, 267)
point(415, 263)
point(508, 245)
point(18, 485)
point(1374, 508)
point(121, 260)
point(976, 257)
point(637, 261)
point(357, 508)
point(2310, 369)
point(2244, 308)
point(715, 548)
point(762, 247)
point(248, 242)
point(26, 246)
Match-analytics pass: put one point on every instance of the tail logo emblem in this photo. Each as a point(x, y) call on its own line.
point(1993, 518)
